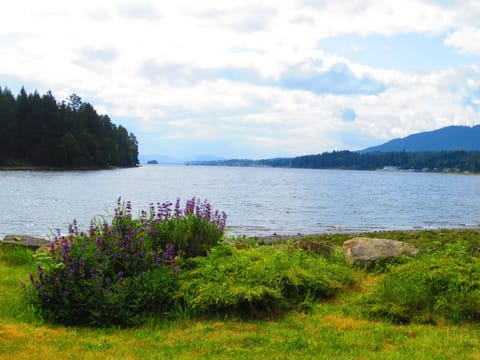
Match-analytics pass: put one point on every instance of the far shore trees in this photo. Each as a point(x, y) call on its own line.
point(38, 131)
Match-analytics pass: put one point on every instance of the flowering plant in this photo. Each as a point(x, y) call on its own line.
point(116, 273)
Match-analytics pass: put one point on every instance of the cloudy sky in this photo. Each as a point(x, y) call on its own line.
point(252, 79)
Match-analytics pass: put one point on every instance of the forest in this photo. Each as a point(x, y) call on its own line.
point(39, 131)
point(451, 161)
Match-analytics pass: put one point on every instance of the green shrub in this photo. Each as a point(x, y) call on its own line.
point(443, 284)
point(116, 274)
point(15, 254)
point(191, 231)
point(259, 280)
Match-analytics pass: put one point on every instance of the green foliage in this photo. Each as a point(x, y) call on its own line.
point(442, 284)
point(16, 255)
point(38, 131)
point(190, 231)
point(458, 161)
point(116, 274)
point(329, 331)
point(100, 281)
point(259, 280)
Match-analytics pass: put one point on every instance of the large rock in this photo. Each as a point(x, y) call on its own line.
point(28, 241)
point(367, 251)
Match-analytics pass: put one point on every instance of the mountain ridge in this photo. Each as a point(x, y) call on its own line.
point(452, 137)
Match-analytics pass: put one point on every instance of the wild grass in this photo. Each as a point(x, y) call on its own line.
point(332, 328)
point(440, 285)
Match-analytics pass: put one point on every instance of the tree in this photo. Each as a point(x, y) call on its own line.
point(74, 102)
point(7, 125)
point(36, 130)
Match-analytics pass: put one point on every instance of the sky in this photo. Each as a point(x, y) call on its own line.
point(252, 79)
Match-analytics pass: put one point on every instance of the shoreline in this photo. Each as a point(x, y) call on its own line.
point(299, 236)
point(49, 168)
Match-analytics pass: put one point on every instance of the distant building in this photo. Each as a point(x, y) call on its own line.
point(390, 168)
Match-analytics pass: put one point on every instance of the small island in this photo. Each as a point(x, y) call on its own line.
point(152, 162)
point(40, 132)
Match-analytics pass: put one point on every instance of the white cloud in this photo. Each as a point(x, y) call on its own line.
point(139, 10)
point(466, 40)
point(245, 73)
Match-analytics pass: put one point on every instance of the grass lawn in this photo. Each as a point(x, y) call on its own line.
point(332, 329)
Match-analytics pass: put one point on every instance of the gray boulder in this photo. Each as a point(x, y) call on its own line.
point(28, 241)
point(367, 251)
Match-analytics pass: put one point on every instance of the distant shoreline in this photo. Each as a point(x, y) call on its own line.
point(49, 168)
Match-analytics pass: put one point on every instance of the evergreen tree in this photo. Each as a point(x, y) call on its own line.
point(38, 131)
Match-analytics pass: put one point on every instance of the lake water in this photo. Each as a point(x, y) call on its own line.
point(258, 201)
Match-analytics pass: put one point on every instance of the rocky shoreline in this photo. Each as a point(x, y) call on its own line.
point(357, 250)
point(31, 242)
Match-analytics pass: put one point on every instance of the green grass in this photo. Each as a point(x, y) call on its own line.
point(331, 329)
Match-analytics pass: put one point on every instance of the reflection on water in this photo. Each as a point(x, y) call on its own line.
point(258, 201)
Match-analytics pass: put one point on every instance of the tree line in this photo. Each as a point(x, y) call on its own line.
point(459, 161)
point(37, 130)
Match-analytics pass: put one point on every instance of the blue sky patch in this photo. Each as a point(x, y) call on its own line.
point(338, 80)
point(403, 51)
point(348, 115)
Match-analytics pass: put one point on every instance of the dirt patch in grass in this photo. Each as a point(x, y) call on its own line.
point(346, 323)
point(12, 332)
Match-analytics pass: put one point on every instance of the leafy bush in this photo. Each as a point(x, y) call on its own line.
point(115, 274)
point(259, 280)
point(16, 255)
point(192, 231)
point(443, 284)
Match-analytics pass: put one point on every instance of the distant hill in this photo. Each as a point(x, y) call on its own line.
point(450, 149)
point(447, 138)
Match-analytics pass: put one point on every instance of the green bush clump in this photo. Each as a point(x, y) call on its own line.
point(444, 284)
point(255, 281)
point(191, 231)
point(116, 274)
point(16, 255)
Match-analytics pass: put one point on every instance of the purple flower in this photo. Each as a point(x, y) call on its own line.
point(65, 250)
point(177, 212)
point(190, 206)
point(40, 272)
point(73, 228)
point(208, 211)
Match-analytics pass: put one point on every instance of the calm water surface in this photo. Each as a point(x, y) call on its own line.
point(258, 201)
